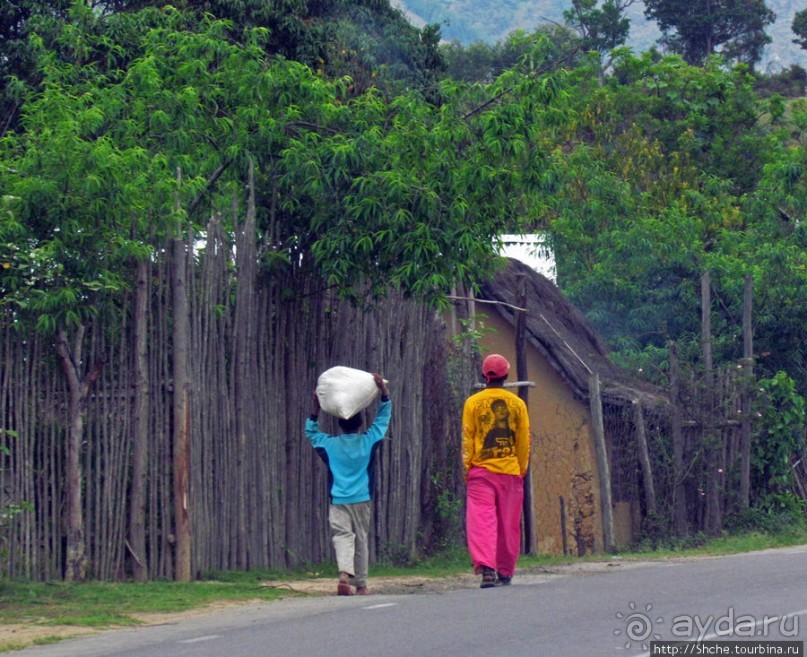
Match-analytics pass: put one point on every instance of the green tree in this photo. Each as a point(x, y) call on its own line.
point(781, 286)
point(602, 28)
point(705, 27)
point(668, 172)
point(368, 40)
point(93, 179)
point(359, 190)
point(779, 439)
point(800, 28)
point(17, 21)
point(480, 62)
point(471, 63)
point(65, 256)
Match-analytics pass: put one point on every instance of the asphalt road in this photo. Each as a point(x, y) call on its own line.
point(754, 598)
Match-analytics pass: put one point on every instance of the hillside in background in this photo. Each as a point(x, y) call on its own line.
point(490, 21)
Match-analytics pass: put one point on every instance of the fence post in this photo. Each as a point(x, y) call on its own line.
point(679, 499)
point(595, 403)
point(524, 394)
point(644, 459)
point(745, 403)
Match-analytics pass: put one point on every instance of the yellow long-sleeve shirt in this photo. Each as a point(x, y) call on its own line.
point(495, 432)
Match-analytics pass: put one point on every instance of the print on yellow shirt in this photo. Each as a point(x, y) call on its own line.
point(500, 439)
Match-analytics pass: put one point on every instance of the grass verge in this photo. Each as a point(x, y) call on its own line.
point(100, 605)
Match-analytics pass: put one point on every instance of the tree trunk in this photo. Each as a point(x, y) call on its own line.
point(137, 493)
point(78, 386)
point(181, 412)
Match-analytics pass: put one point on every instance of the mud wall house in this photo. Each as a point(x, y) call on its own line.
point(561, 352)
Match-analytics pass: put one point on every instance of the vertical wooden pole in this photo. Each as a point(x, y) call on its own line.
point(452, 314)
point(595, 402)
point(706, 321)
point(181, 451)
point(713, 522)
point(140, 425)
point(524, 394)
point(244, 345)
point(644, 459)
point(564, 539)
point(745, 403)
point(679, 497)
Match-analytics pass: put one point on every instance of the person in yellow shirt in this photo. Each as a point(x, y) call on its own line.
point(495, 456)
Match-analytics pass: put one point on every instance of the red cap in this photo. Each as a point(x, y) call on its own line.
point(495, 366)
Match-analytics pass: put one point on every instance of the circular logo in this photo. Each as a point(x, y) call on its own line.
point(637, 626)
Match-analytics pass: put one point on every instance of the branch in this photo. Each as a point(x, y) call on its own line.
point(497, 303)
point(9, 120)
point(784, 215)
point(210, 182)
point(311, 126)
point(134, 554)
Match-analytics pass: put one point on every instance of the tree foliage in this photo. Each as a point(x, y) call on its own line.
point(780, 439)
point(664, 171)
point(800, 28)
point(400, 193)
point(602, 28)
point(480, 62)
point(135, 124)
point(669, 173)
point(699, 29)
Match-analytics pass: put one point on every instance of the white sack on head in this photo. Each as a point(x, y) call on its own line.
point(344, 391)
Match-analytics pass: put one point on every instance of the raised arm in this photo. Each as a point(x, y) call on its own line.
point(379, 381)
point(315, 407)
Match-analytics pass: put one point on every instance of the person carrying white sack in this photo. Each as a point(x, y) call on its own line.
point(350, 460)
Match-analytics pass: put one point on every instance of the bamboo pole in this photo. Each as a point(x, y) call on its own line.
point(745, 404)
point(679, 498)
point(181, 451)
point(524, 394)
point(595, 403)
point(709, 435)
point(137, 508)
point(644, 459)
point(706, 321)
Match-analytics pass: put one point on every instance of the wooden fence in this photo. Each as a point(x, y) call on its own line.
point(257, 492)
point(257, 496)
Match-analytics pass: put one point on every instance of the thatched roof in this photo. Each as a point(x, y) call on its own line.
point(564, 336)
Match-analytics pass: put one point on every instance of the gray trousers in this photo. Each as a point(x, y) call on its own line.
point(350, 526)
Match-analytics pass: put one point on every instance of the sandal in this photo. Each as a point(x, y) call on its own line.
point(488, 578)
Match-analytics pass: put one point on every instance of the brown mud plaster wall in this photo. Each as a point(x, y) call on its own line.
point(563, 461)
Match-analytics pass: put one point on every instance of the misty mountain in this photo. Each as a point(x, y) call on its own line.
point(490, 21)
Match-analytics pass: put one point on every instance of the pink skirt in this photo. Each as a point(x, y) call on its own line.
point(493, 520)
